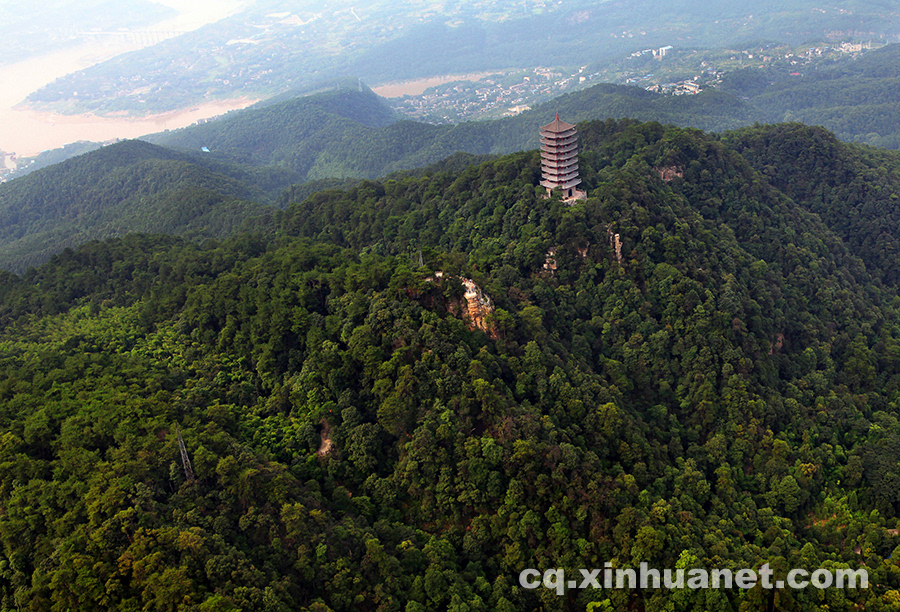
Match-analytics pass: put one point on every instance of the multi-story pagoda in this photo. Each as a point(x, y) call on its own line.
point(559, 159)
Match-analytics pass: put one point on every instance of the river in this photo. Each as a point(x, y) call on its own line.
point(27, 133)
point(415, 87)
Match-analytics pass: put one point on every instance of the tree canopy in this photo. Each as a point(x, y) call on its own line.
point(723, 394)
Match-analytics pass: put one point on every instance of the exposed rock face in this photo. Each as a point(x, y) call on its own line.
point(476, 307)
point(616, 243)
point(668, 173)
point(326, 446)
point(776, 346)
point(550, 261)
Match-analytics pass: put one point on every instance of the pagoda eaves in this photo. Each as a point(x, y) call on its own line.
point(559, 158)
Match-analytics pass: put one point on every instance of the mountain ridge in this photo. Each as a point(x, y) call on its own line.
point(721, 391)
point(126, 187)
point(337, 136)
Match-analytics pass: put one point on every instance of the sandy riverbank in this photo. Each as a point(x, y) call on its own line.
point(27, 132)
point(416, 87)
point(32, 132)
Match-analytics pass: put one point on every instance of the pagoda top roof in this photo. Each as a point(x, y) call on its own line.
point(557, 126)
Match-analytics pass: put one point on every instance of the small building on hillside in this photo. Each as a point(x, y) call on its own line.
point(559, 159)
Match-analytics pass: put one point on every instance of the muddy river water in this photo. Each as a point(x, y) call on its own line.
point(26, 133)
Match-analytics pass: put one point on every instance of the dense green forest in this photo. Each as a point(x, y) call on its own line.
point(352, 133)
point(855, 190)
point(697, 366)
point(131, 186)
point(856, 99)
point(264, 155)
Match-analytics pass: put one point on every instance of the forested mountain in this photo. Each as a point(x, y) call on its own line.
point(129, 187)
point(253, 155)
point(854, 190)
point(351, 133)
point(347, 133)
point(691, 368)
point(857, 99)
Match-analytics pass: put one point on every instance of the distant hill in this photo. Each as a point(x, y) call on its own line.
point(351, 133)
point(302, 133)
point(128, 187)
point(856, 99)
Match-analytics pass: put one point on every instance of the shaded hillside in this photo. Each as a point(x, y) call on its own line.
point(278, 133)
point(455, 163)
point(127, 187)
point(855, 190)
point(688, 369)
point(856, 99)
point(350, 134)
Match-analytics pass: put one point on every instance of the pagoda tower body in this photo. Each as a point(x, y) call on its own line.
point(559, 159)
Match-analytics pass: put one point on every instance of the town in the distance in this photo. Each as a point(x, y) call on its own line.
point(667, 70)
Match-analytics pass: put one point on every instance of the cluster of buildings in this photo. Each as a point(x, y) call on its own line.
point(659, 53)
point(7, 164)
point(679, 88)
point(498, 95)
point(825, 50)
point(683, 87)
point(779, 54)
point(510, 93)
point(639, 68)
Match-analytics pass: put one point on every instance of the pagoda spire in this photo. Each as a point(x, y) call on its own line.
point(559, 159)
